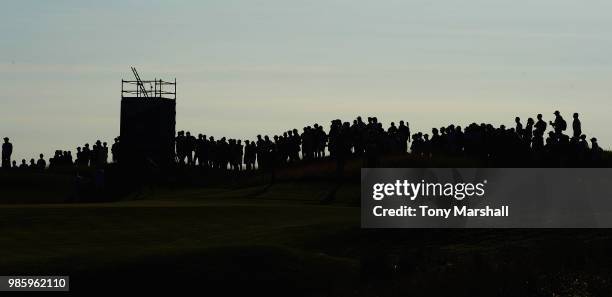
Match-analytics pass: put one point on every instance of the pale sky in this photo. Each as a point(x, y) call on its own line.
point(248, 67)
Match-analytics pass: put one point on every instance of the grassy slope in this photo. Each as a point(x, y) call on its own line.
point(209, 232)
point(282, 241)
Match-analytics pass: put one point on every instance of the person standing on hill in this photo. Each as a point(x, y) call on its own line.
point(577, 126)
point(7, 151)
point(41, 164)
point(540, 126)
point(104, 153)
point(114, 150)
point(86, 153)
point(189, 148)
point(528, 131)
point(559, 124)
point(519, 127)
point(180, 147)
point(404, 136)
point(596, 151)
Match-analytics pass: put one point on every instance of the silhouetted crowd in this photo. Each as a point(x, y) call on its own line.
point(518, 145)
point(96, 156)
point(523, 144)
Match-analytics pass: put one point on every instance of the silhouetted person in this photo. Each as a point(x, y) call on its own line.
point(596, 151)
point(249, 155)
point(41, 164)
point(68, 158)
point(212, 152)
point(7, 151)
point(189, 148)
point(372, 144)
point(239, 153)
point(559, 125)
point(86, 155)
point(577, 126)
point(115, 150)
point(528, 131)
point(104, 153)
point(79, 157)
point(97, 154)
point(295, 142)
point(32, 164)
point(201, 151)
point(436, 141)
point(519, 127)
point(404, 136)
point(540, 126)
point(392, 129)
point(180, 147)
point(23, 164)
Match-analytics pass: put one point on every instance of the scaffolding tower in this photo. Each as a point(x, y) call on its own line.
point(148, 122)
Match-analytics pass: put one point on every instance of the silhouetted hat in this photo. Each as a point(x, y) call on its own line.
point(593, 139)
point(6, 138)
point(557, 112)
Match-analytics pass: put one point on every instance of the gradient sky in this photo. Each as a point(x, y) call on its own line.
point(246, 67)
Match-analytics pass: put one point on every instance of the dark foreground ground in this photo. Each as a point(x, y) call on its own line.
point(279, 240)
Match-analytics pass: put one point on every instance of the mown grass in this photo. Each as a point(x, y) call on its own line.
point(280, 240)
point(191, 234)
